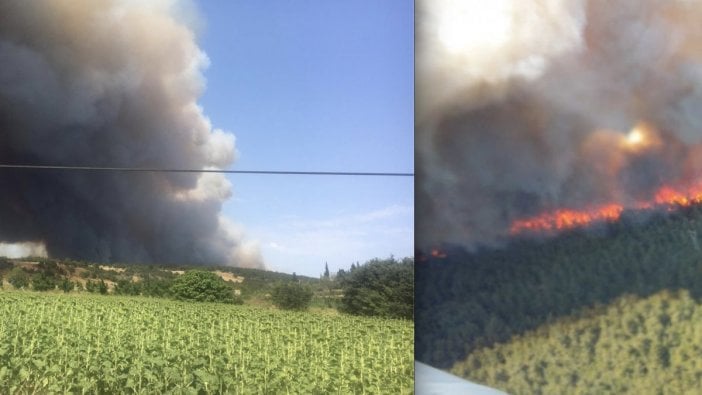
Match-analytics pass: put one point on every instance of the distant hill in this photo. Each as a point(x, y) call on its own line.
point(469, 301)
point(251, 284)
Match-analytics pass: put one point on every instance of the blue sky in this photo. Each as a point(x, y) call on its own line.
point(316, 85)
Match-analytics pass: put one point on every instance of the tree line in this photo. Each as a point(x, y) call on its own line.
point(380, 287)
point(472, 300)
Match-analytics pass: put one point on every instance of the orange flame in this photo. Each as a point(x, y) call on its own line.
point(437, 253)
point(563, 219)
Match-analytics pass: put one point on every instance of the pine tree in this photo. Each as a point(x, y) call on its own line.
point(326, 270)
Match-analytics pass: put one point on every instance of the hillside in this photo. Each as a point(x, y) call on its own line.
point(378, 287)
point(636, 345)
point(469, 301)
point(147, 280)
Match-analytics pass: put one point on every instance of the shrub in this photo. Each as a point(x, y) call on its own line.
point(18, 278)
point(292, 296)
point(67, 285)
point(102, 287)
point(126, 287)
point(43, 282)
point(156, 287)
point(202, 286)
point(92, 286)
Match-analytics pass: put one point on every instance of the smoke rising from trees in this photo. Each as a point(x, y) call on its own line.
point(111, 83)
point(524, 106)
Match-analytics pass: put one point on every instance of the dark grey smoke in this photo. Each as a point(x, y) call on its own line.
point(111, 83)
point(524, 106)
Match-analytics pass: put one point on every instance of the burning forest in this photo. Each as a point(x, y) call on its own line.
point(536, 116)
point(559, 159)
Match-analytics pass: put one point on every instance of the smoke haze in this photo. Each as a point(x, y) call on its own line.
point(524, 106)
point(111, 83)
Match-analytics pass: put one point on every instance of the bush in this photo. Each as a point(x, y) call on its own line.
point(96, 286)
point(156, 287)
point(292, 296)
point(18, 278)
point(383, 288)
point(202, 286)
point(102, 287)
point(43, 282)
point(126, 287)
point(67, 285)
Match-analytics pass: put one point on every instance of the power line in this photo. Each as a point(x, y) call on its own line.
point(157, 170)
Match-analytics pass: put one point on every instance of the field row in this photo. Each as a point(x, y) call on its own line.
point(90, 343)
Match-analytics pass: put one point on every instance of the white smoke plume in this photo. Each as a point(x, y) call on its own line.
point(524, 106)
point(111, 83)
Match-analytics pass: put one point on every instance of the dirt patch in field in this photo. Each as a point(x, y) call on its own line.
point(27, 265)
point(112, 268)
point(229, 277)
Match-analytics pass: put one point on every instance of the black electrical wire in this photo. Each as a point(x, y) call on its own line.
point(158, 170)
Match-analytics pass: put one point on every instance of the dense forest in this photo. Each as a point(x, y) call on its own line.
point(635, 345)
point(467, 301)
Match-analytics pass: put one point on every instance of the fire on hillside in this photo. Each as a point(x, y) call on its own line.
point(667, 198)
point(534, 117)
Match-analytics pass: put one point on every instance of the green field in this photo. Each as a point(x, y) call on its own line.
point(54, 343)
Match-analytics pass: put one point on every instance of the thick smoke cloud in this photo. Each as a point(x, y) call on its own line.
point(111, 83)
point(524, 106)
